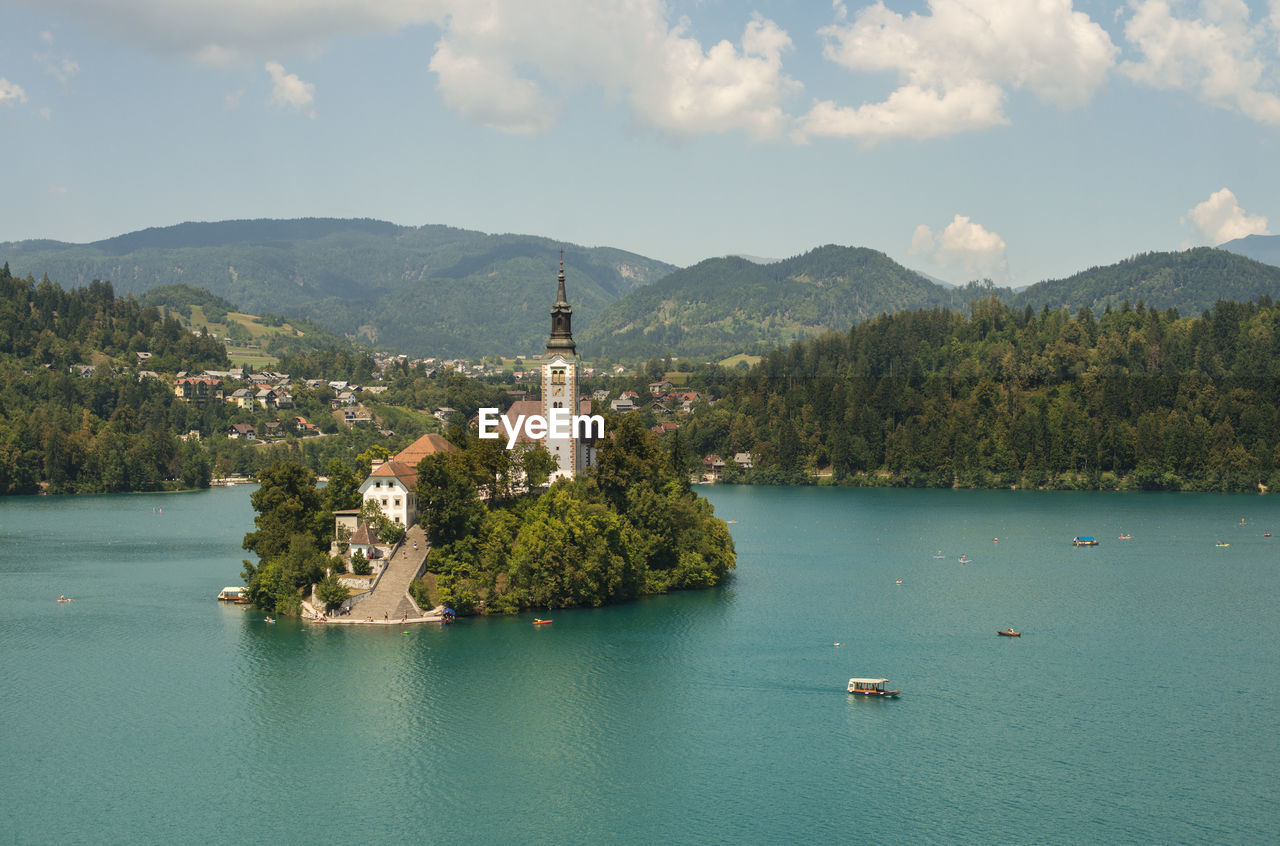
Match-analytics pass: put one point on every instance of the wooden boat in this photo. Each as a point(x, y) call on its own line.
point(871, 687)
point(1009, 633)
point(1084, 540)
point(538, 622)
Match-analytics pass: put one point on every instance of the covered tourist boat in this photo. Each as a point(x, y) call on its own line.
point(234, 594)
point(1084, 540)
point(871, 687)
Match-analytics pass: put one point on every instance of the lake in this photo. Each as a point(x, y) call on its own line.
point(1141, 704)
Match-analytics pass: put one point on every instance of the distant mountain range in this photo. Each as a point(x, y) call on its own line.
point(429, 290)
point(732, 304)
point(1264, 248)
point(437, 290)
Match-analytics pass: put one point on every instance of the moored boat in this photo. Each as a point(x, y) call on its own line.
point(871, 687)
point(1009, 633)
point(234, 594)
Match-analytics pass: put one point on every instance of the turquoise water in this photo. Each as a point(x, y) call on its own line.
point(1140, 704)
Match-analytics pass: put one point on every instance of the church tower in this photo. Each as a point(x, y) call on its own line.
point(560, 387)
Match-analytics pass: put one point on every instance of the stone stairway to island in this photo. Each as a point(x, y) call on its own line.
point(389, 601)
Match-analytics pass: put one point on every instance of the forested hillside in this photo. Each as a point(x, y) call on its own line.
point(731, 305)
point(1137, 398)
point(1189, 281)
point(430, 290)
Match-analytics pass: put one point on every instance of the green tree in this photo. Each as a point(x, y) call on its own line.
point(287, 505)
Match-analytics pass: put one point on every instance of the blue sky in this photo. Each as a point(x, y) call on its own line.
point(967, 138)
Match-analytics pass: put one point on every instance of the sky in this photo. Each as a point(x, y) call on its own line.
point(1015, 140)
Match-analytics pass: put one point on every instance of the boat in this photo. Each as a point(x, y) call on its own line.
point(1009, 633)
point(1222, 545)
point(964, 559)
point(1084, 540)
point(939, 555)
point(899, 581)
point(1124, 537)
point(233, 594)
point(268, 619)
point(1266, 534)
point(538, 622)
point(871, 687)
point(63, 599)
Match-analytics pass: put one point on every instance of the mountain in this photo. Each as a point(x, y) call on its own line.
point(1263, 248)
point(1190, 281)
point(429, 290)
point(728, 305)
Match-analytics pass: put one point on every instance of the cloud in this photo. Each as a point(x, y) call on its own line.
point(290, 92)
point(506, 64)
point(60, 68)
point(224, 31)
point(11, 93)
point(1220, 219)
point(232, 100)
point(626, 49)
point(1222, 57)
point(956, 64)
point(964, 249)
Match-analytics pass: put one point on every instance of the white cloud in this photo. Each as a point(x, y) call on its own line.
point(964, 250)
point(11, 93)
point(1220, 218)
point(1223, 57)
point(626, 49)
point(290, 92)
point(232, 100)
point(956, 64)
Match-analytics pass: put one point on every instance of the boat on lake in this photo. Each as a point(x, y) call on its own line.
point(1125, 537)
point(538, 622)
point(1009, 633)
point(1084, 540)
point(1221, 545)
point(234, 594)
point(871, 687)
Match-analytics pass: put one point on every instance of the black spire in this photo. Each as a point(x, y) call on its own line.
point(561, 317)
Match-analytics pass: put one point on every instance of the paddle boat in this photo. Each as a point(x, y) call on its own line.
point(871, 687)
point(1124, 537)
point(1084, 540)
point(63, 599)
point(268, 619)
point(538, 622)
point(1221, 545)
point(899, 581)
point(1009, 633)
point(964, 559)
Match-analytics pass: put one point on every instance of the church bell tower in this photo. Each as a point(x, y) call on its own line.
point(560, 385)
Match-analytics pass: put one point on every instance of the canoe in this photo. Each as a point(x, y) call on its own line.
point(538, 622)
point(1009, 633)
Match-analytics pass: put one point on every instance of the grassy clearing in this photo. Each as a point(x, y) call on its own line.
point(735, 360)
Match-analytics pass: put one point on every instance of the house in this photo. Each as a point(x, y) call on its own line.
point(713, 466)
point(242, 431)
point(241, 398)
point(365, 541)
point(622, 405)
point(444, 414)
point(142, 357)
point(305, 428)
point(391, 483)
point(265, 398)
point(657, 389)
point(283, 398)
point(345, 398)
point(84, 371)
point(598, 396)
point(629, 395)
point(743, 460)
point(353, 415)
point(273, 430)
point(664, 428)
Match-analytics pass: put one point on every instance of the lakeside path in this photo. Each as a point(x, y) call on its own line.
point(390, 604)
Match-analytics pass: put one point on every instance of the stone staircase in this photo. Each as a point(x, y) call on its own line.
point(390, 599)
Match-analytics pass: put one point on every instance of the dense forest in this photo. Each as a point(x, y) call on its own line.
point(1136, 398)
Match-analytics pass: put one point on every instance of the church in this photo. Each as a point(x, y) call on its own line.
point(559, 376)
point(391, 483)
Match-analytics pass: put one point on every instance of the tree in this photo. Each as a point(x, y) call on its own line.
point(343, 490)
point(288, 505)
point(449, 504)
point(331, 592)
